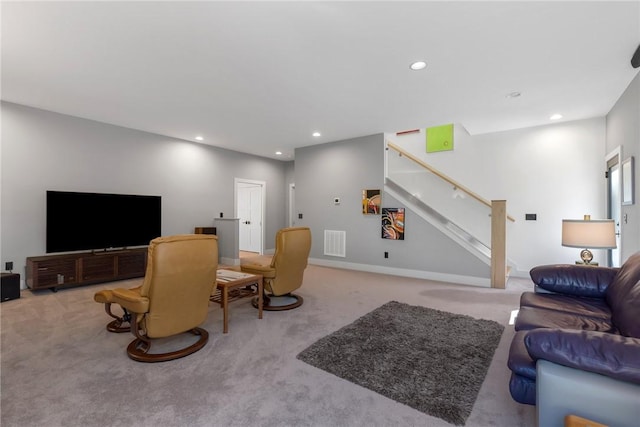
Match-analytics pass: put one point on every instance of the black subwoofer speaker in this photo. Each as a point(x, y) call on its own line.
point(9, 286)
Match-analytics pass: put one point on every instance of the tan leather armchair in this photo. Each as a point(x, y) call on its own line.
point(285, 272)
point(121, 323)
point(174, 297)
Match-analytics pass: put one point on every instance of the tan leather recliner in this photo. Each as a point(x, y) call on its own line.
point(174, 297)
point(121, 323)
point(285, 272)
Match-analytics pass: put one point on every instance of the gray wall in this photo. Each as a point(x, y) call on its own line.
point(623, 130)
point(343, 169)
point(47, 151)
point(43, 150)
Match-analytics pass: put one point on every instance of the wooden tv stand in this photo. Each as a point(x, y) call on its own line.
point(77, 269)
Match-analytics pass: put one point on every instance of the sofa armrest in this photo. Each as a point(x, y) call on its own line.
point(577, 280)
point(613, 355)
point(561, 391)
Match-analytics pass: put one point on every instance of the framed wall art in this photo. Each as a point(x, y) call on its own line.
point(393, 223)
point(371, 201)
point(440, 138)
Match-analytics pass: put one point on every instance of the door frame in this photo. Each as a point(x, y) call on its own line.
point(613, 154)
point(263, 196)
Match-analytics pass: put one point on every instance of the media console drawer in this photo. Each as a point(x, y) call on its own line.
point(97, 267)
point(67, 270)
point(131, 264)
point(48, 272)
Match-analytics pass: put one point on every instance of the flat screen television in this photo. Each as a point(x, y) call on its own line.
point(95, 221)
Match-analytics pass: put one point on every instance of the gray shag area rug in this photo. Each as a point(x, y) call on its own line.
point(428, 359)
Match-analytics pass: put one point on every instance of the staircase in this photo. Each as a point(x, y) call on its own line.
point(476, 224)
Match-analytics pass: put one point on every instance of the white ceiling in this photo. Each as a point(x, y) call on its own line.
point(257, 77)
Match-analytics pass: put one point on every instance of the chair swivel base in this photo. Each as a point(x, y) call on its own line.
point(279, 303)
point(138, 349)
point(120, 324)
point(117, 327)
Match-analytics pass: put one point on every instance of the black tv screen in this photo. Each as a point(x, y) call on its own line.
point(82, 221)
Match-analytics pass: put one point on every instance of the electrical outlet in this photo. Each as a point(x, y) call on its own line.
point(8, 265)
point(386, 254)
point(299, 216)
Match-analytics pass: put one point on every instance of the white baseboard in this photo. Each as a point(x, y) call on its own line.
point(403, 272)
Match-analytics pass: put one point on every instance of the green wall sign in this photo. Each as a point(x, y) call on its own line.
point(440, 138)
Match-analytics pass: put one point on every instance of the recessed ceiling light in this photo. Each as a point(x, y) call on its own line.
point(316, 134)
point(278, 153)
point(199, 138)
point(515, 94)
point(418, 65)
point(555, 117)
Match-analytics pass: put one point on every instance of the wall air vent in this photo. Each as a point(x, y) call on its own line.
point(335, 243)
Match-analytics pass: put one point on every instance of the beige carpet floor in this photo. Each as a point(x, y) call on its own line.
point(60, 367)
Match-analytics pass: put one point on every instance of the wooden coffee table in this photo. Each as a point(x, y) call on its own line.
point(232, 285)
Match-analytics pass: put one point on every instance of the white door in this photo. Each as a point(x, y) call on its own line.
point(614, 203)
point(249, 213)
point(292, 205)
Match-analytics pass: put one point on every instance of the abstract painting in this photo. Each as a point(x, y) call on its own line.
point(393, 223)
point(371, 202)
point(440, 138)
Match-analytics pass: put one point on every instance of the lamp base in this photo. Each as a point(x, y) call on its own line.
point(591, 264)
point(586, 256)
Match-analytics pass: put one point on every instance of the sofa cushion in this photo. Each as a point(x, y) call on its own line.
point(623, 296)
point(532, 318)
point(591, 307)
point(522, 389)
point(612, 355)
point(519, 361)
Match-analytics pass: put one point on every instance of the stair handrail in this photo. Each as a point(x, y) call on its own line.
point(442, 176)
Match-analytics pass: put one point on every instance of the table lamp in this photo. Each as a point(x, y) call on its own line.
point(588, 233)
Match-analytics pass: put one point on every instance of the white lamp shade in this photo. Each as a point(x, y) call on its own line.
point(594, 234)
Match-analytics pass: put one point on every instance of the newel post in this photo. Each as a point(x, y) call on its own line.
point(498, 244)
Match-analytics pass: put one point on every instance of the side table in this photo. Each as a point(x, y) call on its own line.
point(232, 285)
